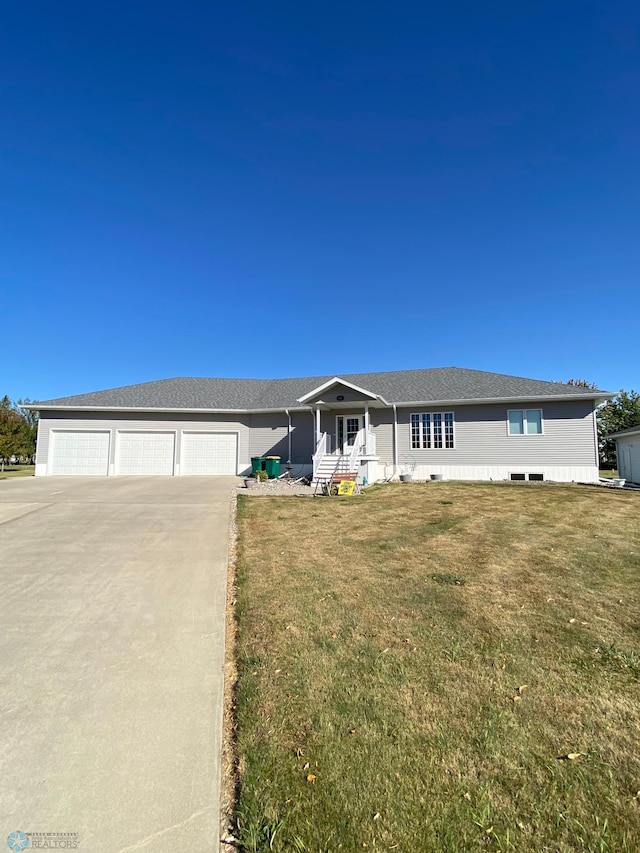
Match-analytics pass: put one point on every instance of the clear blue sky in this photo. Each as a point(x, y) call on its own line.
point(213, 188)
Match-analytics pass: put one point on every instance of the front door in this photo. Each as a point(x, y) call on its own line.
point(347, 429)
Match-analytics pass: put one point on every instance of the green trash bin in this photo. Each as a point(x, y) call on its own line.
point(272, 466)
point(257, 464)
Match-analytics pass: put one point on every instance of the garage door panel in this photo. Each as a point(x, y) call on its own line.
point(145, 453)
point(80, 453)
point(208, 453)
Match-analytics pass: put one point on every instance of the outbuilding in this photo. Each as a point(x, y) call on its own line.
point(628, 452)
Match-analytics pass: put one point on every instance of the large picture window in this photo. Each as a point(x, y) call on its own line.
point(432, 430)
point(525, 421)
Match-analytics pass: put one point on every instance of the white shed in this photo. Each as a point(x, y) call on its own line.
point(628, 452)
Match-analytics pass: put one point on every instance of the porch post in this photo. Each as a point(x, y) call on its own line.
point(366, 428)
point(317, 425)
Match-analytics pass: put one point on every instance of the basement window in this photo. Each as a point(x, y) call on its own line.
point(531, 477)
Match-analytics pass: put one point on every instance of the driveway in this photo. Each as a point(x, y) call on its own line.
point(111, 660)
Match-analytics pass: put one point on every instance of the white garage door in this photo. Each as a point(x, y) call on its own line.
point(79, 453)
point(208, 453)
point(145, 452)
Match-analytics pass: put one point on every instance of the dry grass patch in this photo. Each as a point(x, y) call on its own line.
point(440, 667)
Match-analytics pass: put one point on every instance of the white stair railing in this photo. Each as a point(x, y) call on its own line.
point(370, 444)
point(356, 450)
point(321, 451)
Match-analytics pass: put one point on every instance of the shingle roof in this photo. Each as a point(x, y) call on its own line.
point(430, 385)
point(634, 430)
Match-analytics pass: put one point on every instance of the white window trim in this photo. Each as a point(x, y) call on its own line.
point(432, 433)
point(524, 433)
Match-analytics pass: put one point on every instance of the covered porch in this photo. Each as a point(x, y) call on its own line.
point(343, 438)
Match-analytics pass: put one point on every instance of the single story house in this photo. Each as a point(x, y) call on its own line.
point(460, 423)
point(628, 453)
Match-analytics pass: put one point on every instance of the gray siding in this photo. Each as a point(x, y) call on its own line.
point(481, 436)
point(303, 440)
point(628, 451)
point(269, 436)
point(382, 426)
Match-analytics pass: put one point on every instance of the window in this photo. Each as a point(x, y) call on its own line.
point(525, 421)
point(432, 430)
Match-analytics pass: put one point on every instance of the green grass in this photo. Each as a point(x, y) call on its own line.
point(450, 667)
point(17, 471)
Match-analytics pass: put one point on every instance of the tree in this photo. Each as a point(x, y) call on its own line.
point(583, 383)
point(31, 418)
point(14, 433)
point(621, 412)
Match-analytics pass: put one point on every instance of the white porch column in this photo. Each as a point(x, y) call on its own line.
point(366, 428)
point(317, 425)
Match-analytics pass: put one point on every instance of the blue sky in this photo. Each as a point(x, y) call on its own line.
point(284, 189)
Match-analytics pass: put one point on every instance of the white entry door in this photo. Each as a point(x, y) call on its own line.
point(145, 453)
point(347, 429)
point(80, 453)
point(208, 453)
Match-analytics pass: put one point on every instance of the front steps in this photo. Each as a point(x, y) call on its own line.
point(329, 465)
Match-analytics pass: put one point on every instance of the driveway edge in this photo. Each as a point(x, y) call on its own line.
point(228, 754)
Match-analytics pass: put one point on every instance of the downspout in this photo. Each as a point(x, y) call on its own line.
point(395, 441)
point(288, 413)
point(366, 428)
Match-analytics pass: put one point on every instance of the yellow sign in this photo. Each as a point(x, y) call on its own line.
point(346, 487)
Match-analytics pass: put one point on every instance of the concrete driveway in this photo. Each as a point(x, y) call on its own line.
point(111, 660)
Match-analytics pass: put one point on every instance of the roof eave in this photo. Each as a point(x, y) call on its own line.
point(595, 396)
point(171, 409)
point(623, 433)
point(511, 399)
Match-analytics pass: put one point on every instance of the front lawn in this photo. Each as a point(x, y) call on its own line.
point(440, 667)
point(17, 471)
